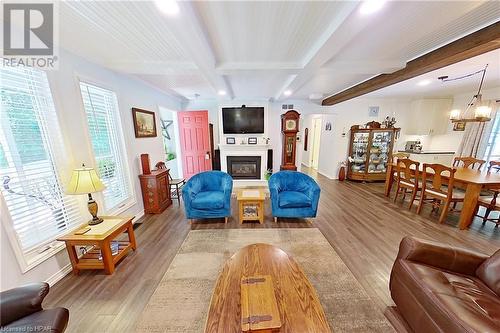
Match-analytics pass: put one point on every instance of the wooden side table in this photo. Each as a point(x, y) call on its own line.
point(100, 236)
point(251, 205)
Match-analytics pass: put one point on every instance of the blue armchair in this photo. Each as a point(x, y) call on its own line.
point(293, 194)
point(208, 195)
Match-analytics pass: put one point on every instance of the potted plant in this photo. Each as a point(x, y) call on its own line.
point(268, 174)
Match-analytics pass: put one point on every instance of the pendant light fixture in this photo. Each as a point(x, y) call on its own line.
point(482, 111)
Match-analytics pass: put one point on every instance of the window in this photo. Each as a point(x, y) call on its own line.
point(33, 161)
point(105, 133)
point(492, 152)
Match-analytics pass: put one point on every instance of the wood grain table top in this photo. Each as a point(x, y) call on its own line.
point(99, 231)
point(298, 303)
point(469, 176)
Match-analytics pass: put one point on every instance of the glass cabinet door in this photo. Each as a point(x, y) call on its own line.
point(359, 152)
point(379, 151)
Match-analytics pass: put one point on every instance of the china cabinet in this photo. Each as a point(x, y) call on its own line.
point(370, 150)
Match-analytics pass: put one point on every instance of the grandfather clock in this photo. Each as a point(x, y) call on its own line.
point(289, 129)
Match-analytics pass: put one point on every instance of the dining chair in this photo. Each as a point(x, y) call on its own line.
point(435, 187)
point(489, 201)
point(175, 185)
point(407, 178)
point(400, 155)
point(468, 162)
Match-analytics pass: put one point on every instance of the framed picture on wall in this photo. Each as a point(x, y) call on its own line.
point(144, 123)
point(459, 126)
point(230, 141)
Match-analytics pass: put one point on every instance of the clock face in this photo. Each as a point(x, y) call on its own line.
point(290, 124)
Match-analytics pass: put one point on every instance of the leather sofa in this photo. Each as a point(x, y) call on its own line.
point(21, 311)
point(208, 195)
point(440, 288)
point(293, 194)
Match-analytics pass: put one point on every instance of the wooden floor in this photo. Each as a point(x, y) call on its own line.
point(361, 224)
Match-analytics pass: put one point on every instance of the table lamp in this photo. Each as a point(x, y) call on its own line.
point(86, 181)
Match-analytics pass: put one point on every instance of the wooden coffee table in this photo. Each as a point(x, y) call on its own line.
point(298, 304)
point(251, 205)
point(100, 236)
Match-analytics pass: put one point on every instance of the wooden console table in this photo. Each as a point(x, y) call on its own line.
point(100, 237)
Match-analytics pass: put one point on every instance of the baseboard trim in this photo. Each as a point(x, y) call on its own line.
point(326, 174)
point(59, 275)
point(138, 216)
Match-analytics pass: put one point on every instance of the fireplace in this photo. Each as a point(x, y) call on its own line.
point(243, 167)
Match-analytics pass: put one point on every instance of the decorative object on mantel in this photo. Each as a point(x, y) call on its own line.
point(252, 141)
point(231, 141)
point(289, 129)
point(144, 123)
point(482, 111)
point(86, 181)
point(146, 169)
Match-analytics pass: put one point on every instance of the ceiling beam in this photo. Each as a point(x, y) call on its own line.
point(474, 44)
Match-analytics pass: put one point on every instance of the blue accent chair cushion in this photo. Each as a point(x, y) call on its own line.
point(293, 199)
point(208, 195)
point(293, 194)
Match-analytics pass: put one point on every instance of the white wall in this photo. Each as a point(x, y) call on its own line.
point(65, 90)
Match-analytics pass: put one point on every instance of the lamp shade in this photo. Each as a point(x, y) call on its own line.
point(85, 180)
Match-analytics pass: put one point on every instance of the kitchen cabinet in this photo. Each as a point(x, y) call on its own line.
point(429, 116)
point(429, 158)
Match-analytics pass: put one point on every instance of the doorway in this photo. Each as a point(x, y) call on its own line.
point(195, 142)
point(315, 142)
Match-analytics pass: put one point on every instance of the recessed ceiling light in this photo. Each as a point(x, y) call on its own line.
point(424, 82)
point(287, 92)
point(169, 7)
point(222, 92)
point(371, 6)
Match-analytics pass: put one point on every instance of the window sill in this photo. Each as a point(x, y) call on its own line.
point(34, 259)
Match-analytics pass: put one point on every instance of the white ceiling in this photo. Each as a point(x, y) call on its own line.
point(436, 88)
point(259, 49)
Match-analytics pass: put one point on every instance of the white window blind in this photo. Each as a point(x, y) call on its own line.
point(33, 163)
point(105, 132)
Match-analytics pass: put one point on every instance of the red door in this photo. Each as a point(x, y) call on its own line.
point(195, 144)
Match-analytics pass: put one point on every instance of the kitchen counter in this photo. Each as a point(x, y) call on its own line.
point(428, 152)
point(427, 156)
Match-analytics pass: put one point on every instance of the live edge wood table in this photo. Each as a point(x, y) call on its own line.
point(298, 304)
point(472, 180)
point(100, 237)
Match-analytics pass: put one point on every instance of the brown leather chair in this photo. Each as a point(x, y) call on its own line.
point(21, 311)
point(440, 288)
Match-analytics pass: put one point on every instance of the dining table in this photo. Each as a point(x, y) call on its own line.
point(473, 181)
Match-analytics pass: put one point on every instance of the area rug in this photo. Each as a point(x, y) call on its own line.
point(181, 301)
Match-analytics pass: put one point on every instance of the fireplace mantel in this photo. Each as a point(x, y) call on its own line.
point(245, 147)
point(245, 150)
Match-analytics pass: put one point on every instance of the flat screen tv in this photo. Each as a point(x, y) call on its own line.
point(243, 120)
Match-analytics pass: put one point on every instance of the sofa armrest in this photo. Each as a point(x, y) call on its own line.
point(441, 256)
point(21, 302)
